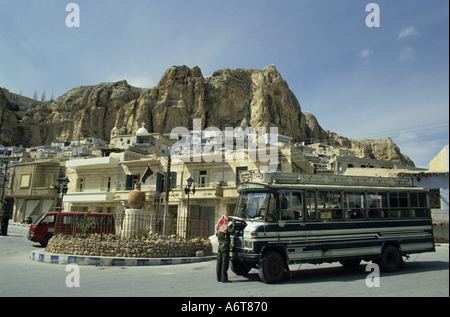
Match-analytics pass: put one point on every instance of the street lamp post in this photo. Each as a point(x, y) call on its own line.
point(158, 200)
point(62, 189)
point(187, 190)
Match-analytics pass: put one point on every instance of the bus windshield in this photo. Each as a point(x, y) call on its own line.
point(252, 205)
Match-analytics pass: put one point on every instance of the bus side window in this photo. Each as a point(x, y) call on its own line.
point(285, 206)
point(329, 204)
point(354, 205)
point(270, 217)
point(418, 203)
point(291, 205)
point(377, 203)
point(297, 205)
point(310, 205)
point(398, 203)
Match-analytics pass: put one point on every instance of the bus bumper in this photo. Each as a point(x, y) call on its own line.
point(245, 256)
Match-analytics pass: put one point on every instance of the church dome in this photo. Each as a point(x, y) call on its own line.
point(142, 130)
point(114, 132)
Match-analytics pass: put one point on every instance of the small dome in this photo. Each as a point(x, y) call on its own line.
point(114, 132)
point(142, 130)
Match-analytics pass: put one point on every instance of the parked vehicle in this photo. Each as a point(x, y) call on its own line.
point(42, 229)
point(298, 218)
point(69, 223)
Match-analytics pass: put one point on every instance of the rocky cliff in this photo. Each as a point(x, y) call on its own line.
point(228, 98)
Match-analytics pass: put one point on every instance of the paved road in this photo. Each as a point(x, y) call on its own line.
point(424, 275)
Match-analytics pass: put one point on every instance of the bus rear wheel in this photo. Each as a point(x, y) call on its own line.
point(390, 259)
point(271, 267)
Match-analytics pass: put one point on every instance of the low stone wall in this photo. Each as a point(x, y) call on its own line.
point(153, 246)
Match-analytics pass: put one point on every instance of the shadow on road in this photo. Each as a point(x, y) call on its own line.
point(341, 274)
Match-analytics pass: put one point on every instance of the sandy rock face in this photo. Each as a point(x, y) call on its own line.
point(227, 98)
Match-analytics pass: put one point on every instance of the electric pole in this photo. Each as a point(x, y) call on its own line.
point(166, 207)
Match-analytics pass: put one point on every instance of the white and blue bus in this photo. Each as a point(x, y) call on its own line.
point(283, 219)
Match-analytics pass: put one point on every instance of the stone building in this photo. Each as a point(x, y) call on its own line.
point(33, 186)
point(102, 184)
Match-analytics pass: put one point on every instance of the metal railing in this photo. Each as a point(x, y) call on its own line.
point(144, 225)
point(129, 225)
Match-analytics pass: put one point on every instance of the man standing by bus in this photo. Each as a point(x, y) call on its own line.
point(223, 231)
point(4, 220)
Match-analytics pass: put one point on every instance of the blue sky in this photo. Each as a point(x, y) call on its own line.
point(359, 82)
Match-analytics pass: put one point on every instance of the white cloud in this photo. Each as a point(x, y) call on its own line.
point(364, 54)
point(406, 32)
point(407, 53)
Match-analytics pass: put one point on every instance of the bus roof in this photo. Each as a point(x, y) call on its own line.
point(323, 179)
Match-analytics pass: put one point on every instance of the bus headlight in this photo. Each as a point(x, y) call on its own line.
point(248, 244)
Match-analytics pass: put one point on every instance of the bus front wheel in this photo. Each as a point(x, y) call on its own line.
point(271, 267)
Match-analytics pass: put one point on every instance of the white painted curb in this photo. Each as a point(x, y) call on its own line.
point(46, 257)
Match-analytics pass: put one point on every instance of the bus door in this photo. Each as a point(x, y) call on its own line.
point(291, 232)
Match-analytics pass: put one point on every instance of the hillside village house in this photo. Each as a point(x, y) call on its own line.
point(33, 186)
point(95, 182)
point(102, 184)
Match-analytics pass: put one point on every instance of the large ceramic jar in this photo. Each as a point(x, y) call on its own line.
point(136, 198)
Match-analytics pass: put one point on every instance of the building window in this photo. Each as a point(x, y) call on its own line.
point(201, 178)
point(81, 185)
point(44, 181)
point(130, 181)
point(106, 184)
point(161, 181)
point(435, 199)
point(25, 180)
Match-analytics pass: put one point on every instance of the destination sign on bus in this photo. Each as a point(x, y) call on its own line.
point(250, 186)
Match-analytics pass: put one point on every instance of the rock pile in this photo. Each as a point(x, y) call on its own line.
point(154, 246)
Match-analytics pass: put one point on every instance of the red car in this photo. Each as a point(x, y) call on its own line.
point(69, 223)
